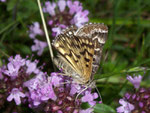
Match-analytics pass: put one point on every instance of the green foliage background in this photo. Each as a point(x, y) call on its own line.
point(126, 51)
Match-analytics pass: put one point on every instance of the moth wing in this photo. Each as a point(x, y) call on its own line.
point(69, 30)
point(78, 53)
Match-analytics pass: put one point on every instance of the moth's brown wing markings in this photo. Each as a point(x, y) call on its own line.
point(62, 44)
point(87, 52)
point(69, 30)
point(98, 33)
point(88, 29)
point(78, 53)
point(62, 63)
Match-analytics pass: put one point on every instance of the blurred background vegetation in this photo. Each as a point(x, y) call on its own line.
point(127, 47)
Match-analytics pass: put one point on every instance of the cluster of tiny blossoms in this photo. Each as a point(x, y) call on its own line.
point(2, 0)
point(137, 101)
point(61, 15)
point(22, 82)
point(12, 78)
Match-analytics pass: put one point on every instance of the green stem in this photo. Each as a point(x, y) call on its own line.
point(45, 30)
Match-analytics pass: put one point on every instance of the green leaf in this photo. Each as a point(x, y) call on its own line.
point(103, 108)
point(23, 48)
point(29, 8)
point(11, 4)
point(135, 69)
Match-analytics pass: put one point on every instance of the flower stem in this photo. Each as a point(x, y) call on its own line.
point(45, 30)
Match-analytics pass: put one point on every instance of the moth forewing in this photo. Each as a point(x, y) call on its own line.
point(70, 54)
point(69, 70)
point(62, 63)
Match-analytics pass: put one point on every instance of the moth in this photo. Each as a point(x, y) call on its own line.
point(80, 51)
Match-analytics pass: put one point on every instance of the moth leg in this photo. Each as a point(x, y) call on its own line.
point(86, 87)
point(80, 93)
point(64, 74)
point(68, 82)
point(92, 84)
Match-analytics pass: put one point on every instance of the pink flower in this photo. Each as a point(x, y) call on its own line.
point(88, 97)
point(12, 70)
point(14, 65)
point(61, 5)
point(75, 88)
point(47, 91)
point(136, 80)
point(39, 46)
point(89, 110)
point(35, 30)
point(31, 67)
point(16, 95)
point(49, 8)
point(55, 79)
point(17, 61)
point(2, 0)
point(42, 90)
point(57, 30)
point(74, 6)
point(125, 108)
point(80, 18)
point(32, 84)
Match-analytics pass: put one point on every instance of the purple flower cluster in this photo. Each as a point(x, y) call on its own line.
point(22, 81)
point(62, 14)
point(2, 0)
point(40, 89)
point(136, 102)
point(55, 96)
point(65, 13)
point(13, 76)
point(34, 31)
